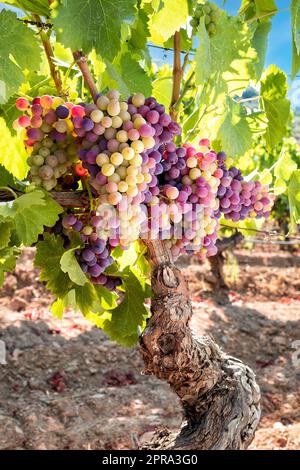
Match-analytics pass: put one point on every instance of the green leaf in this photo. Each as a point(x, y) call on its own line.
point(294, 198)
point(39, 7)
point(60, 304)
point(6, 227)
point(277, 107)
point(211, 55)
point(295, 25)
point(168, 19)
point(9, 112)
point(204, 55)
point(6, 178)
point(94, 24)
point(139, 31)
point(19, 50)
point(266, 177)
point(48, 256)
point(124, 324)
point(125, 258)
point(260, 44)
point(285, 167)
point(8, 258)
point(279, 186)
point(30, 213)
point(162, 90)
point(234, 133)
point(265, 7)
point(129, 76)
point(70, 265)
point(12, 153)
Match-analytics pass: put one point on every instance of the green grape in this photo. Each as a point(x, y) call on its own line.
point(206, 8)
point(211, 29)
point(207, 20)
point(198, 11)
point(194, 23)
point(37, 160)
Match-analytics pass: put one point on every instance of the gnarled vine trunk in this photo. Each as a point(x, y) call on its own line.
point(218, 393)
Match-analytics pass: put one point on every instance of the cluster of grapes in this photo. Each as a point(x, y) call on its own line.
point(47, 132)
point(240, 199)
point(185, 211)
point(95, 256)
point(211, 13)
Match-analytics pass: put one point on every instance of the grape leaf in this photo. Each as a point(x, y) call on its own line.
point(257, 9)
point(260, 43)
point(295, 24)
point(234, 133)
point(211, 55)
point(70, 265)
point(124, 323)
point(285, 166)
point(19, 50)
point(6, 227)
point(39, 7)
point(12, 153)
point(162, 90)
point(277, 107)
point(60, 304)
point(168, 19)
point(94, 24)
point(129, 76)
point(139, 31)
point(6, 178)
point(294, 198)
point(30, 213)
point(8, 258)
point(48, 256)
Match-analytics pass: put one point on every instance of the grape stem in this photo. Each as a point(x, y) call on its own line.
point(81, 61)
point(177, 76)
point(50, 55)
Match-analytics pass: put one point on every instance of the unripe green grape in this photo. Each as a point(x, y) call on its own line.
point(47, 142)
point(102, 102)
point(34, 170)
point(113, 95)
point(52, 161)
point(122, 136)
point(123, 106)
point(206, 9)
point(113, 108)
point(97, 115)
point(124, 115)
point(115, 178)
point(194, 22)
point(56, 173)
point(207, 19)
point(62, 169)
point(61, 126)
point(87, 230)
point(121, 171)
point(211, 29)
point(116, 158)
point(44, 152)
point(46, 127)
point(37, 147)
point(61, 156)
point(110, 133)
point(108, 169)
point(29, 161)
point(49, 184)
point(37, 160)
point(101, 159)
point(37, 180)
point(198, 11)
point(117, 121)
point(138, 99)
point(46, 172)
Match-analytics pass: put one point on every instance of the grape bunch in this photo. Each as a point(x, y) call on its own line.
point(184, 212)
point(211, 14)
point(240, 199)
point(47, 133)
point(95, 257)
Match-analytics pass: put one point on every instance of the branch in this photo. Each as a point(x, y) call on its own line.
point(50, 54)
point(177, 76)
point(70, 199)
point(81, 61)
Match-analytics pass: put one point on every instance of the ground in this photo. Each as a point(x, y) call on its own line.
point(66, 386)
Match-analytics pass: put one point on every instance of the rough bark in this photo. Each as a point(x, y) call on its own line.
point(218, 393)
